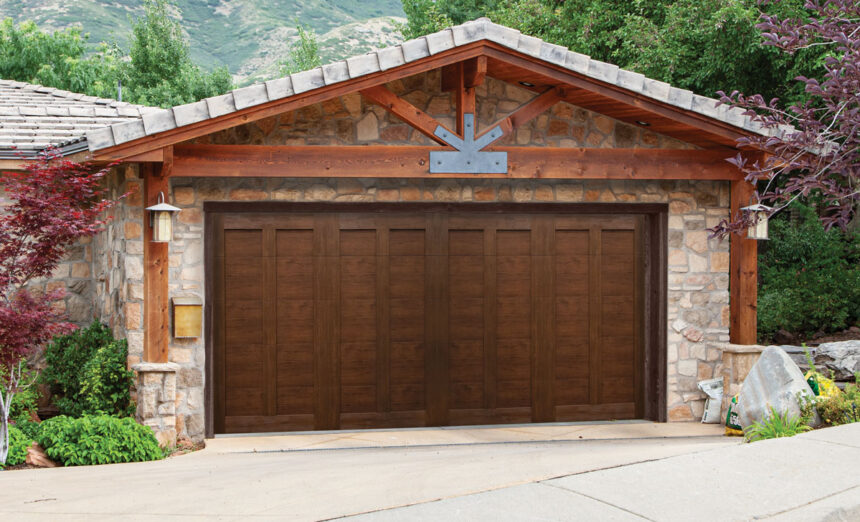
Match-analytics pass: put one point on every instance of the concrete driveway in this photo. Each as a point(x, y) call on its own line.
point(531, 478)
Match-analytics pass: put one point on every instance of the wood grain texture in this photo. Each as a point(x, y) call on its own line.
point(415, 317)
point(380, 161)
point(156, 308)
point(743, 273)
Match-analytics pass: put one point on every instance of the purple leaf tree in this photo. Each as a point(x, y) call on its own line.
point(814, 146)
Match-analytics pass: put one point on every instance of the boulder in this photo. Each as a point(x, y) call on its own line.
point(842, 358)
point(774, 381)
point(36, 457)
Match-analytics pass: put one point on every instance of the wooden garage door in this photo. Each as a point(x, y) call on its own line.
point(367, 320)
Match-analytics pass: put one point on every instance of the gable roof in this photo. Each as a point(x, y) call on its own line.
point(33, 117)
point(282, 90)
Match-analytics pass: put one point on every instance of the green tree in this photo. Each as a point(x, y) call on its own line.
point(59, 59)
point(701, 45)
point(428, 16)
point(304, 53)
point(160, 71)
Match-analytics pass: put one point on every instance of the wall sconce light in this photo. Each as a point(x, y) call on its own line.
point(759, 214)
point(187, 317)
point(161, 220)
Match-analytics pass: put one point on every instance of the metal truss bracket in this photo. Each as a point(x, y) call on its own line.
point(468, 158)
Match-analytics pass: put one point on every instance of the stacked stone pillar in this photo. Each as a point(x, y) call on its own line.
point(156, 399)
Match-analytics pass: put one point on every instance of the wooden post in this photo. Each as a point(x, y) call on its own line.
point(743, 279)
point(155, 265)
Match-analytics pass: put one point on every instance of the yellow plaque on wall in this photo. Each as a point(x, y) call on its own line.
point(187, 317)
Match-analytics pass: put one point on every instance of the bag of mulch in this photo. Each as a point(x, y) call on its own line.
point(821, 385)
point(713, 388)
point(733, 425)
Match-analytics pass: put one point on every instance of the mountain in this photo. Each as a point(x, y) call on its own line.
point(248, 36)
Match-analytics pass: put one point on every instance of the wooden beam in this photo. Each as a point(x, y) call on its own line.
point(465, 99)
point(413, 162)
point(743, 273)
point(155, 270)
point(156, 156)
point(474, 71)
point(404, 110)
point(530, 110)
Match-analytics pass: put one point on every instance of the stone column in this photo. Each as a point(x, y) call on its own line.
point(734, 365)
point(156, 399)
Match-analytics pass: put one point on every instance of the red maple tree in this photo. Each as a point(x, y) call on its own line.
point(49, 206)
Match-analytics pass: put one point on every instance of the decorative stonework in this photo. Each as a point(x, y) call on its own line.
point(156, 399)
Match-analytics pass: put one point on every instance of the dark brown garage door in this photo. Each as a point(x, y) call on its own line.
point(410, 318)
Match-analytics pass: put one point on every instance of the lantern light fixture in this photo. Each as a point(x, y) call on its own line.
point(161, 220)
point(759, 214)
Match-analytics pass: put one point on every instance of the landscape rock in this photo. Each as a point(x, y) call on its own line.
point(36, 457)
point(843, 358)
point(774, 381)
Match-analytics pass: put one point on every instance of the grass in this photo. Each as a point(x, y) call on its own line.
point(776, 425)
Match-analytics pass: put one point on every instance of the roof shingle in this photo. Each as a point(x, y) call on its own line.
point(33, 117)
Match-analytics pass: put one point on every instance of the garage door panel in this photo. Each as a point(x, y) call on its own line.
point(295, 364)
point(245, 401)
point(406, 242)
point(513, 242)
point(243, 280)
point(358, 243)
point(465, 243)
point(295, 400)
point(295, 320)
point(571, 243)
point(358, 319)
point(513, 317)
point(295, 277)
point(296, 243)
point(407, 397)
point(571, 391)
point(243, 243)
point(406, 319)
point(355, 320)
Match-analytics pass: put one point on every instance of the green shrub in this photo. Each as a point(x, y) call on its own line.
point(18, 444)
point(28, 428)
point(774, 426)
point(87, 369)
point(97, 439)
point(810, 278)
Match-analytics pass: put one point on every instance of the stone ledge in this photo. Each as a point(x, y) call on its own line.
point(738, 348)
point(151, 367)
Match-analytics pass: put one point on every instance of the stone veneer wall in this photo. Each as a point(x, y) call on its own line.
point(698, 267)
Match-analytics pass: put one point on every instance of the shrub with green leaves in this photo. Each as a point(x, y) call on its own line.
point(97, 439)
point(18, 444)
point(776, 425)
point(810, 278)
point(87, 371)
